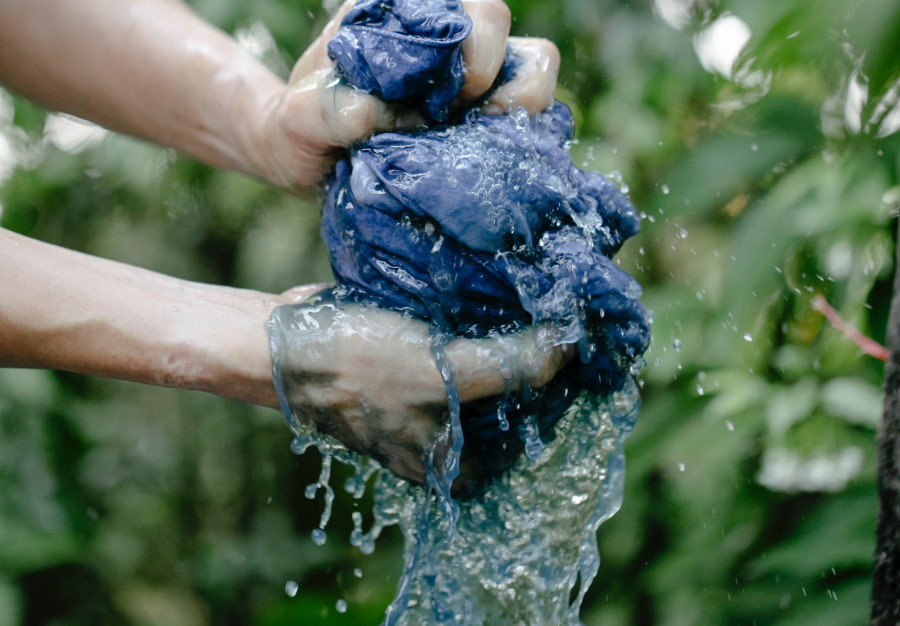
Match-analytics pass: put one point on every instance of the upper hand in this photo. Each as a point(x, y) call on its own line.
point(315, 117)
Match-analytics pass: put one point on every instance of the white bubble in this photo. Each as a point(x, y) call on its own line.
point(341, 606)
point(291, 587)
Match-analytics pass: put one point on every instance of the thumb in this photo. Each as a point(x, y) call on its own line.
point(353, 115)
point(487, 367)
point(296, 295)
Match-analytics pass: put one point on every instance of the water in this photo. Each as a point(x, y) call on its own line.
point(529, 240)
point(518, 552)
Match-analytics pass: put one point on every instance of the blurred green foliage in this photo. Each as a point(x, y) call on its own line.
point(750, 491)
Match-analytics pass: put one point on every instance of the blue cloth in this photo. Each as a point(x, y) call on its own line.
point(486, 224)
point(482, 224)
point(404, 51)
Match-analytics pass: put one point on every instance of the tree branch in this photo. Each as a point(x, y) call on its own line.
point(886, 574)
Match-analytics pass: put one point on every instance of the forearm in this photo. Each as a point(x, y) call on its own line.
point(61, 309)
point(149, 68)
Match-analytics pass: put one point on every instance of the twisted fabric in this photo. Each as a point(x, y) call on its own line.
point(479, 222)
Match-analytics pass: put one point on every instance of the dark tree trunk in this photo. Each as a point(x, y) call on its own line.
point(886, 575)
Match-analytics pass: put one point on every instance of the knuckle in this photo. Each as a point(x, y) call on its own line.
point(540, 53)
point(501, 11)
point(494, 10)
point(548, 50)
point(352, 116)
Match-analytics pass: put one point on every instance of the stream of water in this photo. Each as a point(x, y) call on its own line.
point(524, 551)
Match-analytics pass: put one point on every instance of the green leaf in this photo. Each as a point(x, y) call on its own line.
point(839, 533)
point(853, 399)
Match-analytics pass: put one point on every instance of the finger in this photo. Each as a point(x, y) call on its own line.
point(353, 115)
point(322, 115)
point(485, 48)
point(405, 461)
point(484, 368)
point(535, 80)
point(296, 295)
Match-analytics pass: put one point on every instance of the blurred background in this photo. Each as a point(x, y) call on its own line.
point(760, 141)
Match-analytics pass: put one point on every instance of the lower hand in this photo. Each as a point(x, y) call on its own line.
point(367, 376)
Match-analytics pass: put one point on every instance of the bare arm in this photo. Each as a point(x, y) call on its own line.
point(66, 310)
point(62, 309)
point(149, 68)
point(153, 69)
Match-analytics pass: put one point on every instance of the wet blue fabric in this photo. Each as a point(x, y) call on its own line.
point(404, 51)
point(480, 224)
point(486, 224)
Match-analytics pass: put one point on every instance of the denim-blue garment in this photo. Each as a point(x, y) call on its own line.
point(482, 224)
point(485, 224)
point(404, 51)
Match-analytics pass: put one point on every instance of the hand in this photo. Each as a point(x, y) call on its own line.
point(315, 117)
point(367, 376)
point(153, 69)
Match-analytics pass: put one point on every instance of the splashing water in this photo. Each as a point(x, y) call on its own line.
point(474, 226)
point(516, 553)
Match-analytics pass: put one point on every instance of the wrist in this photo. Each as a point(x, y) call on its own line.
point(227, 345)
point(248, 100)
point(61, 309)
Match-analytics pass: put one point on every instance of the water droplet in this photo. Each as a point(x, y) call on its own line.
point(291, 587)
point(682, 233)
point(700, 390)
point(748, 337)
point(664, 189)
point(729, 425)
point(319, 536)
point(357, 572)
point(618, 181)
point(676, 345)
point(533, 444)
point(301, 444)
point(501, 417)
point(681, 467)
point(341, 606)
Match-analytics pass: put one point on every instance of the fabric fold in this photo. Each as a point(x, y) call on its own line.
point(479, 222)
